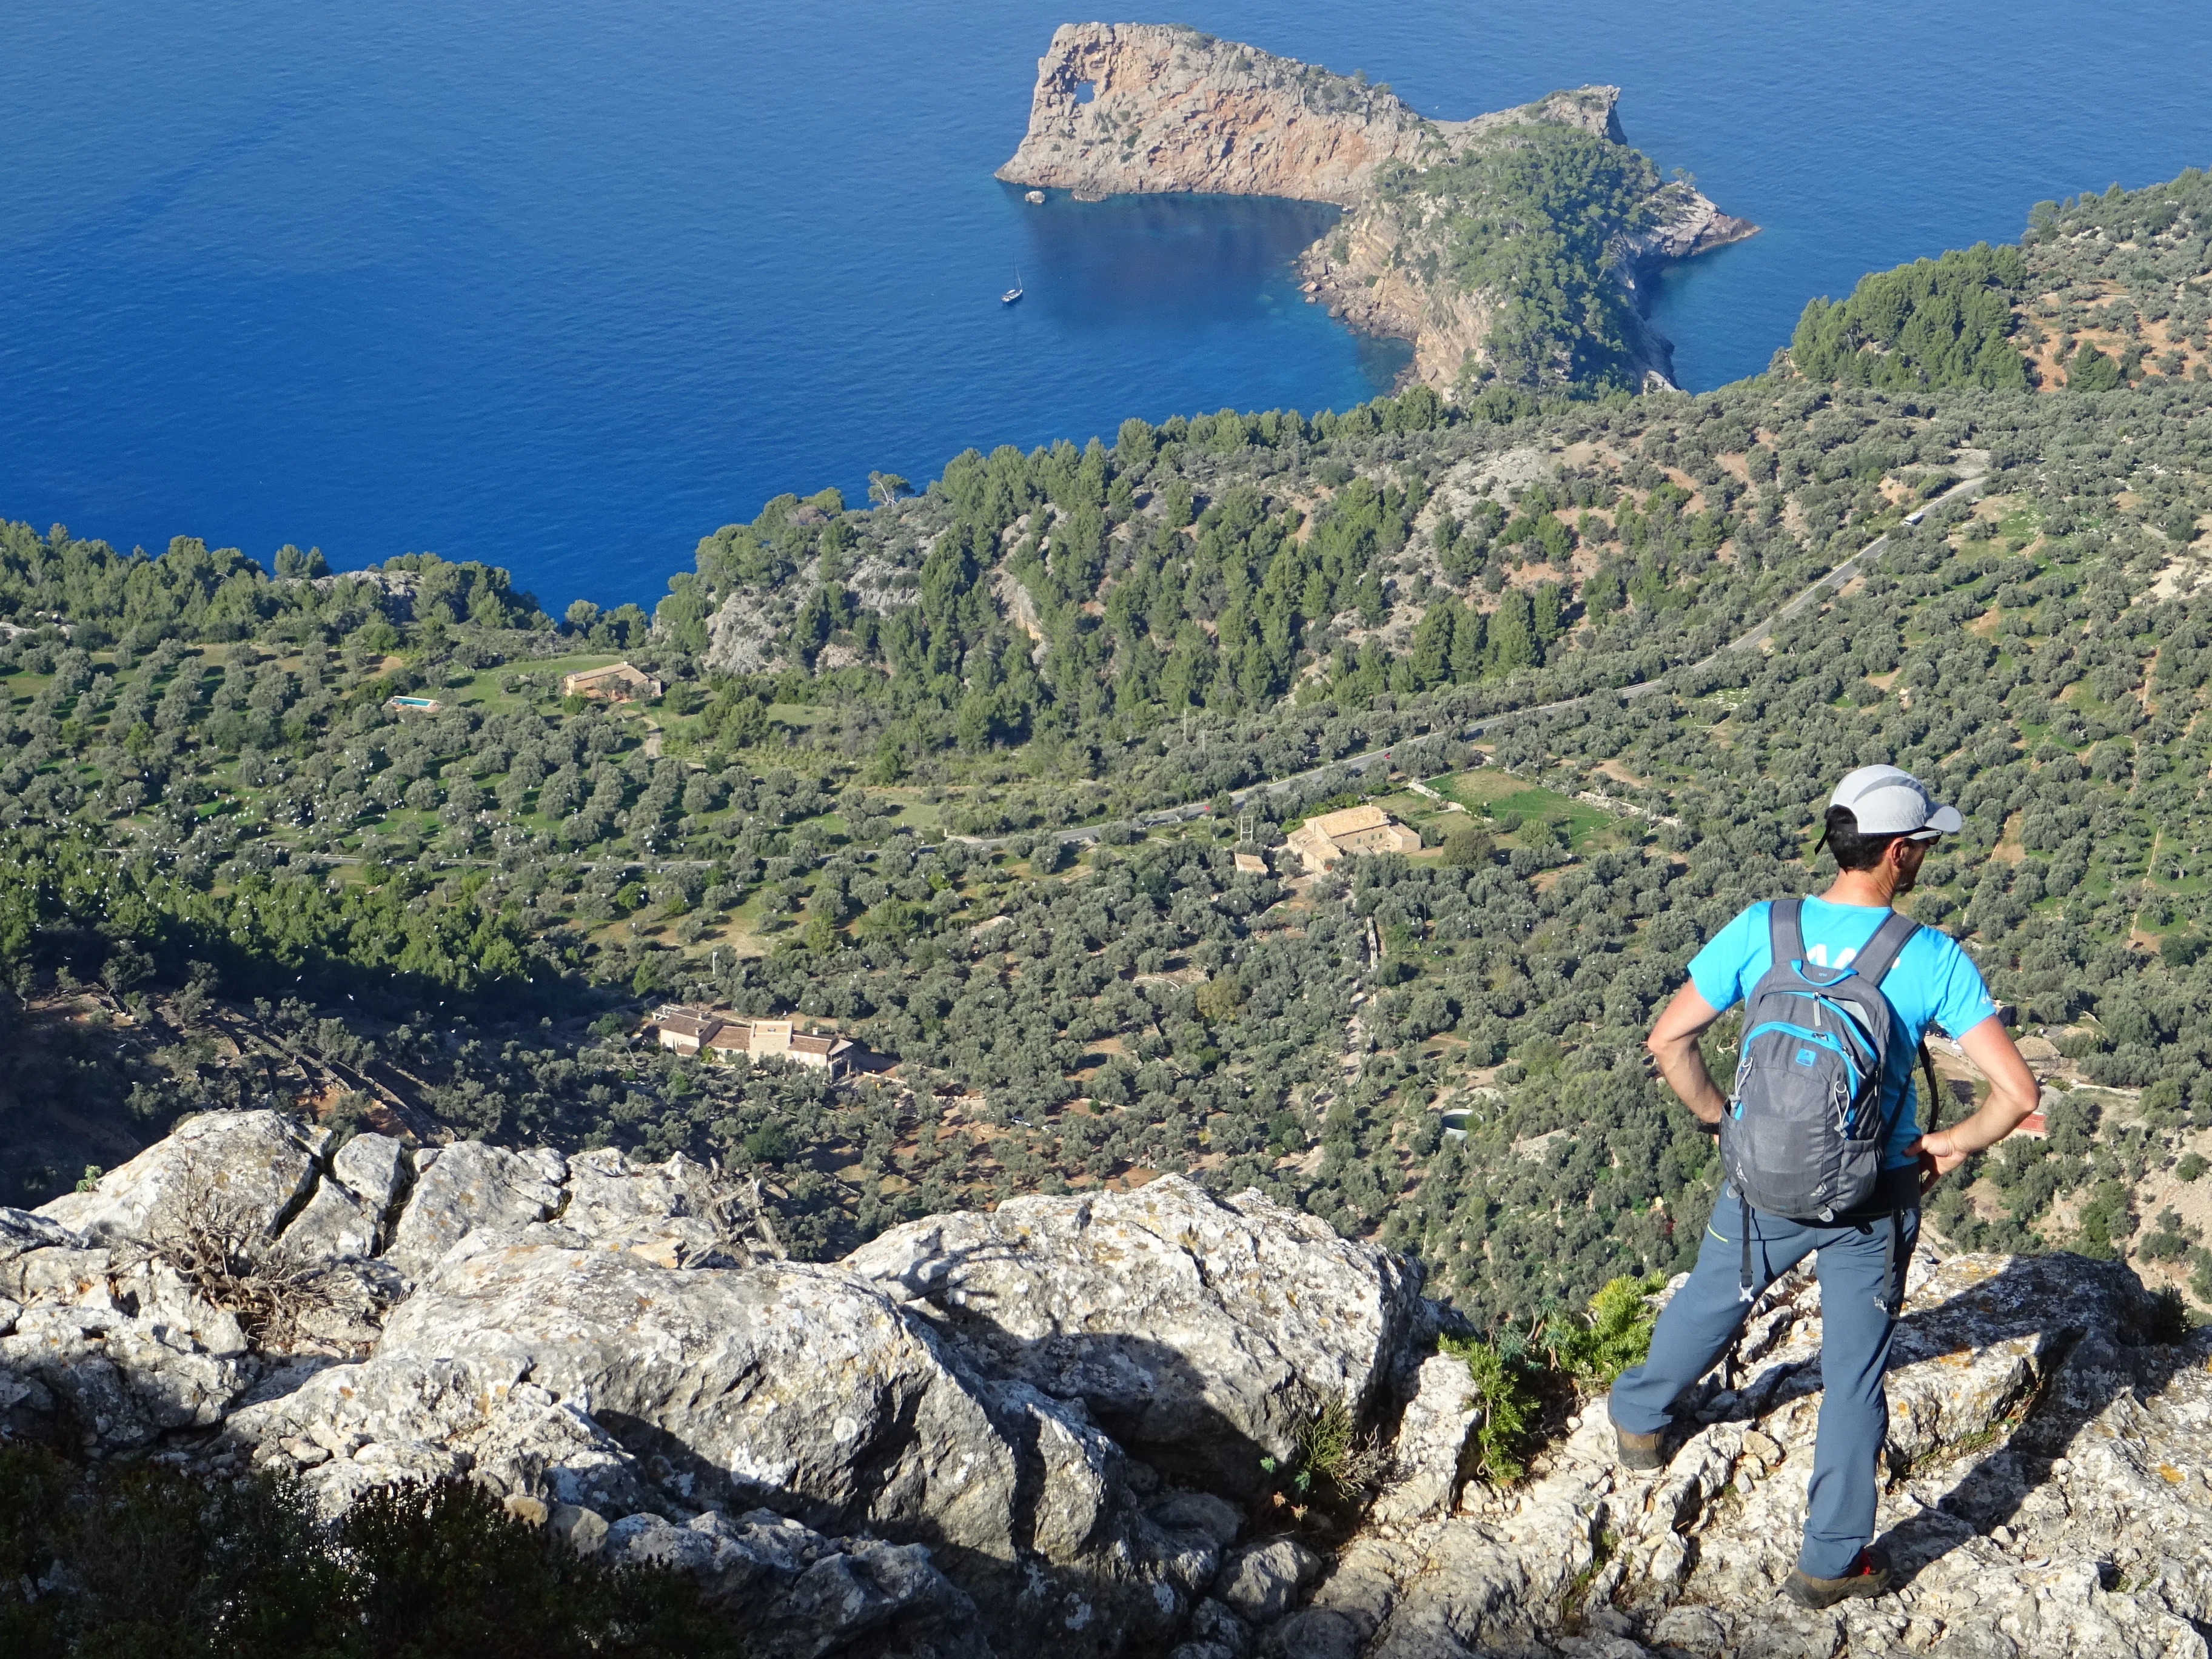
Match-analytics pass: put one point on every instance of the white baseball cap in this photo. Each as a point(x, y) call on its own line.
point(1887, 800)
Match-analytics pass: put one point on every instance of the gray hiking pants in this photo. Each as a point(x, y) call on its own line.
point(1861, 1271)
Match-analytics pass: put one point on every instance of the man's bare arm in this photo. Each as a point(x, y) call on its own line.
point(2013, 1092)
point(1674, 1045)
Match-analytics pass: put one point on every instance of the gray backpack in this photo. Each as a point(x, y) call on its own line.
point(1805, 1126)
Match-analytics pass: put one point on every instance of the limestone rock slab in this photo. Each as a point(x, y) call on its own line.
point(662, 1211)
point(256, 1164)
point(1260, 1582)
point(375, 1168)
point(1200, 1333)
point(336, 1224)
point(470, 1186)
point(27, 1230)
point(802, 1389)
point(1425, 1476)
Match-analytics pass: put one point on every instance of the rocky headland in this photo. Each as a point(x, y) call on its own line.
point(1051, 1427)
point(1123, 107)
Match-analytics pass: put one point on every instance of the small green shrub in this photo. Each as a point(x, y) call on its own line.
point(448, 1571)
point(2170, 1320)
point(1334, 1462)
point(2200, 1279)
point(1345, 1463)
point(1618, 1336)
point(1325, 1443)
point(1510, 1383)
point(1505, 1403)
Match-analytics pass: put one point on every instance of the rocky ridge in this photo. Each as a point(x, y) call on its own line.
point(1134, 107)
point(986, 1433)
point(1149, 106)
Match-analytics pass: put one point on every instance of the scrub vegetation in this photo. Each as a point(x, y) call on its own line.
point(2102, 291)
point(1537, 214)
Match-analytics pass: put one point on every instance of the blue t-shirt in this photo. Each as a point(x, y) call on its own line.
point(1932, 982)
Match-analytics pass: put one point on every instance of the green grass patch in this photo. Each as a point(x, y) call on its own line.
point(1493, 795)
point(1481, 787)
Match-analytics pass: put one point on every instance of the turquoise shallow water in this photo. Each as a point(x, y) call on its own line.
point(566, 286)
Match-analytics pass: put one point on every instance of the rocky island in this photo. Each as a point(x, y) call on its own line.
point(1443, 218)
point(1440, 216)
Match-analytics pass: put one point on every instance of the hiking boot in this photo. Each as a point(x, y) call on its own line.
point(1639, 1452)
point(1868, 1576)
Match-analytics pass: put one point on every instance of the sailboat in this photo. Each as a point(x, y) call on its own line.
point(1014, 293)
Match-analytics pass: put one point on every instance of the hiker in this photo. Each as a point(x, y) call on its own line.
point(1820, 1146)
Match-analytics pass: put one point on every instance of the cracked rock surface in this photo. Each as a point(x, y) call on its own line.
point(2046, 1495)
point(855, 1458)
point(1040, 1430)
point(1200, 1332)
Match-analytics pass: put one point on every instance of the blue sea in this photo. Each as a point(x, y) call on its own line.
point(566, 285)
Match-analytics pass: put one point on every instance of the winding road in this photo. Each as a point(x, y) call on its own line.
point(1832, 582)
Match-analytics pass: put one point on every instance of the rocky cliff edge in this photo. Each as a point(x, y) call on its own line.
point(1043, 1428)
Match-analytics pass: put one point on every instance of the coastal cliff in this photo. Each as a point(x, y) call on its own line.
point(1379, 273)
point(1148, 106)
point(1124, 107)
point(1136, 108)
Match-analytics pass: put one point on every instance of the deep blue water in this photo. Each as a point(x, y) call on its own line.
point(566, 285)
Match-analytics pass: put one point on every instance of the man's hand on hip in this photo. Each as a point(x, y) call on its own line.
point(2013, 1092)
point(1674, 1046)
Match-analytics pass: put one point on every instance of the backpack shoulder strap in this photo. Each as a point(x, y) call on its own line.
point(1785, 930)
point(1881, 950)
point(1935, 1088)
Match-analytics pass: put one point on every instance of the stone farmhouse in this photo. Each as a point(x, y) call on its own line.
point(1320, 841)
point(686, 1030)
point(615, 683)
